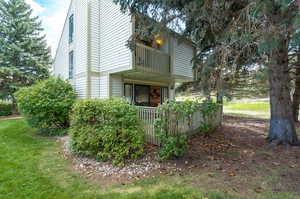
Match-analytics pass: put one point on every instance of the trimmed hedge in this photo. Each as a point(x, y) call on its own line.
point(5, 108)
point(46, 105)
point(106, 129)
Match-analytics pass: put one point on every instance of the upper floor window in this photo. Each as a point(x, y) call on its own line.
point(71, 65)
point(71, 28)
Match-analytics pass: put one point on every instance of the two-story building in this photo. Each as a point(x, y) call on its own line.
point(92, 54)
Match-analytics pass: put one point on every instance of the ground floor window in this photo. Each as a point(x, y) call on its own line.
point(145, 95)
point(128, 93)
point(142, 95)
point(155, 96)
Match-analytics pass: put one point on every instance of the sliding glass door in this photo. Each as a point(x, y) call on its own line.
point(142, 95)
point(145, 95)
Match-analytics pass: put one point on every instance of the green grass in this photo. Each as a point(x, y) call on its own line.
point(259, 108)
point(31, 167)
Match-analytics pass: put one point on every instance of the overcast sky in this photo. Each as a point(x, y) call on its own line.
point(52, 14)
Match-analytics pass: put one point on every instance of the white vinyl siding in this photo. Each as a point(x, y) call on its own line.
point(80, 87)
point(183, 55)
point(116, 86)
point(94, 37)
point(104, 87)
point(100, 35)
point(81, 36)
point(79, 10)
point(116, 29)
point(95, 87)
point(61, 61)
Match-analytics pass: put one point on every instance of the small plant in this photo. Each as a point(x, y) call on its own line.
point(5, 108)
point(173, 147)
point(46, 105)
point(107, 129)
point(208, 109)
point(173, 144)
point(205, 129)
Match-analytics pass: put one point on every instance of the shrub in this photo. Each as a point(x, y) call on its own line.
point(106, 129)
point(5, 108)
point(46, 105)
point(174, 145)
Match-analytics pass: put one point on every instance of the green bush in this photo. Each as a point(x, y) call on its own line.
point(5, 108)
point(106, 129)
point(46, 105)
point(174, 145)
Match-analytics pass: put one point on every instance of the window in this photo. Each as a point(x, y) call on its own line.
point(71, 65)
point(164, 94)
point(145, 95)
point(128, 93)
point(71, 28)
point(155, 96)
point(142, 95)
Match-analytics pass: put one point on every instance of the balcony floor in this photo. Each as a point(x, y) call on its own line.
point(149, 76)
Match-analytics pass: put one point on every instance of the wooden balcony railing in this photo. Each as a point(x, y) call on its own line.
point(148, 59)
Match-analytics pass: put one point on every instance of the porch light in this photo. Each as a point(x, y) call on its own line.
point(158, 40)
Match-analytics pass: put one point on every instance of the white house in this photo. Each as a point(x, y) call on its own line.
point(92, 54)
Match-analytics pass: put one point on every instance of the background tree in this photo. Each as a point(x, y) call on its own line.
point(237, 30)
point(296, 94)
point(24, 55)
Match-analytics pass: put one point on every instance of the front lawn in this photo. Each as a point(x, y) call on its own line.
point(34, 167)
point(259, 108)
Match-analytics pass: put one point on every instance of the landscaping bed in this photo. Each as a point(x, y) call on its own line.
point(134, 169)
point(234, 159)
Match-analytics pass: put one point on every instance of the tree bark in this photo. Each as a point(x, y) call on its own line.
point(296, 96)
point(220, 88)
point(282, 128)
point(14, 106)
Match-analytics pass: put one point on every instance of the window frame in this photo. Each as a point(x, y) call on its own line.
point(71, 28)
point(132, 92)
point(164, 90)
point(135, 93)
point(71, 64)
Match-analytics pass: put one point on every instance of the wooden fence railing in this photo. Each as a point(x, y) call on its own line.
point(148, 59)
point(185, 126)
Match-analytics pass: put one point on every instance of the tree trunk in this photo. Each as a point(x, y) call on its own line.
point(220, 92)
point(296, 96)
point(282, 128)
point(14, 106)
point(220, 88)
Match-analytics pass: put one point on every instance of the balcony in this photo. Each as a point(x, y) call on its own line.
point(151, 60)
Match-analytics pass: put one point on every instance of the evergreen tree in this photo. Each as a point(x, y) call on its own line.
point(235, 34)
point(24, 55)
point(296, 77)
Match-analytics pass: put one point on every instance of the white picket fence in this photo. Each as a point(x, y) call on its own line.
point(186, 126)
